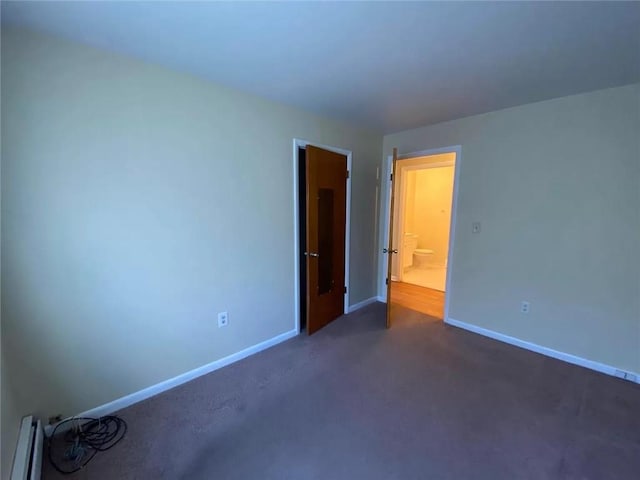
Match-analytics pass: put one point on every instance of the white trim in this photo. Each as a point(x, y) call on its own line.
point(299, 143)
point(426, 164)
point(363, 303)
point(296, 241)
point(381, 299)
point(549, 352)
point(457, 149)
point(123, 402)
point(400, 227)
point(429, 152)
point(452, 228)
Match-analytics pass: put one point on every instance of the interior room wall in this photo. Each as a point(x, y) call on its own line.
point(555, 186)
point(9, 419)
point(432, 210)
point(9, 416)
point(137, 203)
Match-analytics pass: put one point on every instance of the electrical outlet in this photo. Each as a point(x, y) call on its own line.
point(223, 319)
point(525, 307)
point(475, 227)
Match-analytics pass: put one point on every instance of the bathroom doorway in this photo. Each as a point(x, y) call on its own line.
point(423, 190)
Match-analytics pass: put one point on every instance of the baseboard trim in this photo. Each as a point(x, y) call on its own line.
point(549, 352)
point(381, 299)
point(128, 400)
point(363, 303)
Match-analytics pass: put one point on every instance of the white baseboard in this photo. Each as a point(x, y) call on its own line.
point(549, 352)
point(381, 299)
point(123, 402)
point(363, 303)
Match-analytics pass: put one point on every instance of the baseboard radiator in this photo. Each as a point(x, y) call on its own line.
point(27, 462)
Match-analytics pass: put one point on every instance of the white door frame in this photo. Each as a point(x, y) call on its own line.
point(401, 173)
point(386, 211)
point(299, 143)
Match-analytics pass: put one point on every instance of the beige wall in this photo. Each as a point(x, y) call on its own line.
point(137, 203)
point(409, 204)
point(556, 185)
point(9, 419)
point(432, 210)
point(9, 415)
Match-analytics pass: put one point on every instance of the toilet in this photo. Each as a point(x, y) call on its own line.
point(409, 246)
point(422, 257)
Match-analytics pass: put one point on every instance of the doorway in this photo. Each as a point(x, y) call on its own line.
point(322, 204)
point(424, 192)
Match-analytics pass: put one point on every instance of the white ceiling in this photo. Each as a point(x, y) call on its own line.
point(388, 66)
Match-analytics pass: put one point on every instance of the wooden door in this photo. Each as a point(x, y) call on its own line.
point(390, 251)
point(326, 189)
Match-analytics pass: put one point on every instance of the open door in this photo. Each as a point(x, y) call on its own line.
point(390, 251)
point(326, 192)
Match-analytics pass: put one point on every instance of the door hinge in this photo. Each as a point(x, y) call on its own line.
point(347, 173)
point(391, 177)
point(386, 281)
point(345, 289)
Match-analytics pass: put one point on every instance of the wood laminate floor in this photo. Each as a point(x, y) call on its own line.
point(421, 299)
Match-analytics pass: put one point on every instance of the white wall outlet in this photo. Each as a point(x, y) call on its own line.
point(223, 319)
point(475, 227)
point(525, 307)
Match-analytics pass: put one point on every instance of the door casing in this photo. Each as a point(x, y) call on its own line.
point(385, 215)
point(300, 143)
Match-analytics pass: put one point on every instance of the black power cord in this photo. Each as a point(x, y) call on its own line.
point(72, 449)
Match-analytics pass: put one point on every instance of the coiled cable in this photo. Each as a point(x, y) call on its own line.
point(76, 445)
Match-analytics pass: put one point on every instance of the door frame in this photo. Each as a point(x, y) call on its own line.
point(300, 143)
point(386, 212)
point(401, 173)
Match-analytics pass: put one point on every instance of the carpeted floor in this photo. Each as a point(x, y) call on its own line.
point(420, 401)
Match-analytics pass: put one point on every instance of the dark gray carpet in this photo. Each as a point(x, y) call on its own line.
point(355, 401)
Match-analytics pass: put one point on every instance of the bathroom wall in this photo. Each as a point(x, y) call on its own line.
point(556, 187)
point(432, 210)
point(409, 202)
